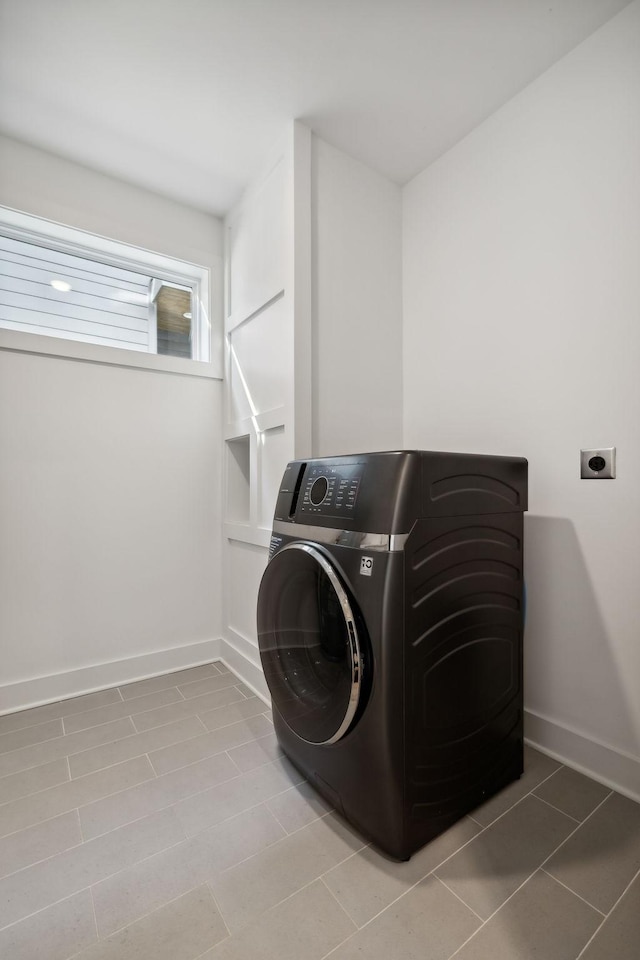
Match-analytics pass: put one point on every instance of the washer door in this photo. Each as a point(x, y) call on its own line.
point(309, 644)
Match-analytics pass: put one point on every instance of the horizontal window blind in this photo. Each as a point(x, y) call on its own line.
point(104, 305)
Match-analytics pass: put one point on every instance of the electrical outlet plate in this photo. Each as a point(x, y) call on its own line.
point(606, 472)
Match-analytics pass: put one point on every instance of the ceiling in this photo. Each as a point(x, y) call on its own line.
point(187, 97)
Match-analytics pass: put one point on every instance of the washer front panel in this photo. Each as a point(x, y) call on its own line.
point(342, 538)
point(309, 644)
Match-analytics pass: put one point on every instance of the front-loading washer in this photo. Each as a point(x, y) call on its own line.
point(390, 620)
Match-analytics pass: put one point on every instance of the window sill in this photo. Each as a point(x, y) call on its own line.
point(16, 342)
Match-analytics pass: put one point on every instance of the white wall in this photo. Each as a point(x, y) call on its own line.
point(356, 217)
point(521, 336)
point(267, 418)
point(110, 478)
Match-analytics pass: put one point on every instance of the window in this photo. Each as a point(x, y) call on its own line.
point(78, 289)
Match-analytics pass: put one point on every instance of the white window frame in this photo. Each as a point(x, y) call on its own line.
point(57, 236)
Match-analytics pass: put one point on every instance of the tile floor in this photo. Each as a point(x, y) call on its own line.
point(158, 821)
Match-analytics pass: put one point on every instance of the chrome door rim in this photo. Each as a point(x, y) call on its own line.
point(354, 643)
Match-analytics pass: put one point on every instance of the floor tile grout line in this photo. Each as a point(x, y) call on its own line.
point(576, 828)
point(158, 676)
point(566, 887)
point(274, 815)
point(429, 873)
point(62, 813)
point(326, 956)
point(149, 913)
point(251, 855)
point(83, 842)
point(62, 716)
point(219, 909)
point(188, 796)
point(292, 833)
point(274, 905)
point(153, 813)
point(233, 682)
point(130, 866)
point(342, 908)
point(519, 800)
point(79, 713)
point(196, 714)
point(474, 837)
point(116, 689)
point(135, 756)
point(153, 769)
point(105, 722)
point(304, 885)
point(61, 738)
point(201, 956)
point(107, 766)
point(166, 747)
point(78, 779)
point(465, 942)
point(553, 807)
point(106, 796)
point(631, 882)
point(75, 893)
point(263, 803)
point(287, 834)
point(540, 867)
point(175, 802)
point(458, 897)
point(133, 713)
point(14, 873)
point(289, 896)
point(79, 953)
point(211, 755)
point(225, 725)
point(37, 824)
point(140, 713)
point(497, 910)
point(57, 736)
point(351, 855)
point(385, 908)
point(151, 762)
point(231, 760)
point(606, 917)
point(95, 915)
point(48, 906)
point(77, 813)
point(34, 793)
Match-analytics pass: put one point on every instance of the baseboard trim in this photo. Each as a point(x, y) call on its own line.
point(37, 691)
point(614, 768)
point(242, 656)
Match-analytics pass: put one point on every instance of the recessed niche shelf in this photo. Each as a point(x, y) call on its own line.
point(239, 480)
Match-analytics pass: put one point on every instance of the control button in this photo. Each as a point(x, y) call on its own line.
point(318, 491)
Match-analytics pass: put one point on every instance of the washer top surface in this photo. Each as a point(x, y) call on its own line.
point(386, 492)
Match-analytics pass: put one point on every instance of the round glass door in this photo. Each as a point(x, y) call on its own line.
point(309, 644)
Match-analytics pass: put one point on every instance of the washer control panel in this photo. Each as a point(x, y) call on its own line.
point(330, 490)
